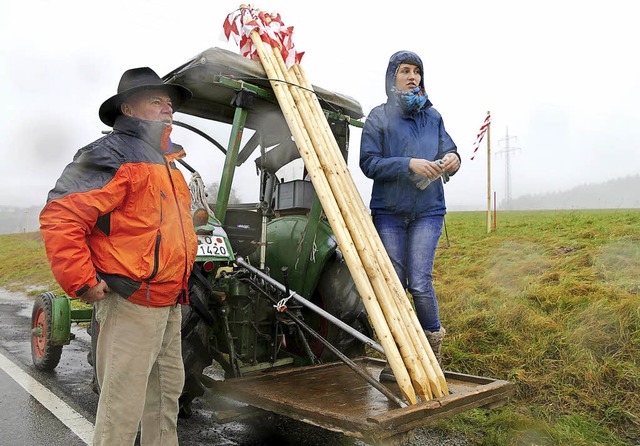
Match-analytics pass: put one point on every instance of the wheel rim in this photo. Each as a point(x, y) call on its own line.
point(39, 342)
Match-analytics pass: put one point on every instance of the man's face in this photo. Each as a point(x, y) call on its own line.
point(152, 105)
point(408, 77)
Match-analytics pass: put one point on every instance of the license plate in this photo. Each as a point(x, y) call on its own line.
point(212, 245)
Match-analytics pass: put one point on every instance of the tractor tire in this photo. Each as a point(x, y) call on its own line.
point(336, 293)
point(45, 356)
point(195, 351)
point(94, 331)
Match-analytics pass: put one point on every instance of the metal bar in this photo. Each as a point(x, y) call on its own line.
point(201, 133)
point(303, 340)
point(340, 117)
point(331, 318)
point(186, 165)
point(262, 93)
point(235, 139)
point(248, 149)
point(233, 358)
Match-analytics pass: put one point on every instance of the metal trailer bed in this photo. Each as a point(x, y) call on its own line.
point(333, 397)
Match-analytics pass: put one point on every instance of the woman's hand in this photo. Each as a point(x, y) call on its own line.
point(451, 163)
point(426, 168)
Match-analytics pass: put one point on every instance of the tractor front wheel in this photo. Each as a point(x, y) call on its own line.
point(45, 356)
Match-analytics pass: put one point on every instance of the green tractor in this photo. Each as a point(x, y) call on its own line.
point(233, 317)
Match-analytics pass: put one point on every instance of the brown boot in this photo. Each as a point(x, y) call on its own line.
point(435, 341)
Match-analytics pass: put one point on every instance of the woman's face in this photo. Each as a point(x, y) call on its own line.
point(408, 77)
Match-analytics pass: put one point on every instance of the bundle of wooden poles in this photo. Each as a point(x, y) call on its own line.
point(391, 314)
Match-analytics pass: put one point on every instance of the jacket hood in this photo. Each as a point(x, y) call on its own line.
point(394, 62)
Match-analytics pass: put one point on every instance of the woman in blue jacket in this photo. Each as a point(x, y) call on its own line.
point(408, 154)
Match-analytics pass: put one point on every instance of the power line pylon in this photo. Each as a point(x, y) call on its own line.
point(507, 151)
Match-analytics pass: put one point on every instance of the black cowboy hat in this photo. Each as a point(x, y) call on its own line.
point(135, 80)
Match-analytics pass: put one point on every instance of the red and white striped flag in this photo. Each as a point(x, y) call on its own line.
point(483, 130)
point(240, 23)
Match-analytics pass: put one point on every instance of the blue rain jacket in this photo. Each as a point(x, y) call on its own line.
point(390, 138)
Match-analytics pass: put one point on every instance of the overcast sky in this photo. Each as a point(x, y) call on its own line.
point(562, 77)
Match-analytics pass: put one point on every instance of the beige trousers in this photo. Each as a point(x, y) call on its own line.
point(140, 373)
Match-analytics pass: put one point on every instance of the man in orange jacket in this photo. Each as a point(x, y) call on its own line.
point(118, 233)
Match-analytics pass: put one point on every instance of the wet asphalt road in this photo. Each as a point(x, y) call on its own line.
point(24, 421)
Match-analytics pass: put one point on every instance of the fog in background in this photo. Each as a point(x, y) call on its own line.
point(561, 78)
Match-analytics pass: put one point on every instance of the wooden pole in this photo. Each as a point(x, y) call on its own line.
point(495, 213)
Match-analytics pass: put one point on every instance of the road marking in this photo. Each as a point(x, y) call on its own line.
point(78, 424)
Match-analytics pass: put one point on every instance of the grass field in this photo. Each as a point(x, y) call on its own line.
point(549, 301)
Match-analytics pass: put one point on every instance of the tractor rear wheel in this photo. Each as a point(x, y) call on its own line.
point(45, 356)
point(94, 331)
point(336, 293)
point(195, 350)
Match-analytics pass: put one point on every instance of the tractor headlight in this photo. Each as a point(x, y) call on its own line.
point(200, 217)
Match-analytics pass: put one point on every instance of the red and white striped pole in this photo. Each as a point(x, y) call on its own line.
point(487, 123)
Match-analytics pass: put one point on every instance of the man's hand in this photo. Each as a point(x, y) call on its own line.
point(95, 293)
point(426, 168)
point(451, 163)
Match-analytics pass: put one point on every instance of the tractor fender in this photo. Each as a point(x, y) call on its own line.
point(286, 248)
point(60, 320)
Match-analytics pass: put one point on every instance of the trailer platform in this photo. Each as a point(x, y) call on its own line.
point(334, 397)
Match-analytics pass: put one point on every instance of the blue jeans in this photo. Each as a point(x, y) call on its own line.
point(411, 244)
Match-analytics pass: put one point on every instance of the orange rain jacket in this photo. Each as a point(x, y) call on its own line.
point(121, 212)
